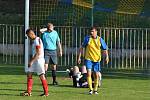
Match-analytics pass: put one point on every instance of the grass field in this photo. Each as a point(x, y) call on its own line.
point(114, 87)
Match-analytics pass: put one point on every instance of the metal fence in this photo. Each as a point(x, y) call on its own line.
point(129, 48)
point(11, 44)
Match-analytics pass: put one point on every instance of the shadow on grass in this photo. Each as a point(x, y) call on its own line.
point(68, 92)
point(12, 83)
point(125, 77)
point(9, 94)
point(19, 90)
point(12, 70)
point(13, 90)
point(69, 86)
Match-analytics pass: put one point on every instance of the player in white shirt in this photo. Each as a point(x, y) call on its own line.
point(36, 64)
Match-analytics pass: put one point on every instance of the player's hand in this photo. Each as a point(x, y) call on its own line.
point(107, 60)
point(79, 61)
point(60, 53)
point(30, 64)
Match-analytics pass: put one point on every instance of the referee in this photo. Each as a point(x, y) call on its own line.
point(51, 41)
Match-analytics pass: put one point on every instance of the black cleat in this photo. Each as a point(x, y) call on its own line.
point(25, 94)
point(90, 92)
point(44, 95)
point(55, 83)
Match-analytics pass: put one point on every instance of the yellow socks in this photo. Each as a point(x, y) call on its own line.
point(89, 80)
point(95, 84)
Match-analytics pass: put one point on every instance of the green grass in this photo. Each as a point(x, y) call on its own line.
point(114, 87)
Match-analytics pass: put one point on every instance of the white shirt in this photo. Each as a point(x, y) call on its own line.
point(36, 44)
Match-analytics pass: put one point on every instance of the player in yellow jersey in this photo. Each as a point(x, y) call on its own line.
point(93, 45)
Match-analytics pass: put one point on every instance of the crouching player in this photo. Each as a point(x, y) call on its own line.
point(36, 64)
point(79, 77)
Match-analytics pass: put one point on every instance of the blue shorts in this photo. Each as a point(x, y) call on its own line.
point(94, 66)
point(50, 57)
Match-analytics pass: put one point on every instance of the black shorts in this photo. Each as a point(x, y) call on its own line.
point(50, 57)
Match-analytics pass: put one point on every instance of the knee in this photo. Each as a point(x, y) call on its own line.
point(53, 67)
point(84, 69)
point(29, 75)
point(42, 77)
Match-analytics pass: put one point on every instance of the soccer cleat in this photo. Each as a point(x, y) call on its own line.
point(26, 94)
point(55, 83)
point(95, 92)
point(90, 92)
point(44, 95)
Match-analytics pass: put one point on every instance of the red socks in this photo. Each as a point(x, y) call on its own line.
point(45, 86)
point(29, 84)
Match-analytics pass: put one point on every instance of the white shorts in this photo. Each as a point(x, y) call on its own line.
point(37, 67)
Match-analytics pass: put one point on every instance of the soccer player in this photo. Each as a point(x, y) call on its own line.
point(50, 41)
point(93, 45)
point(36, 64)
point(79, 76)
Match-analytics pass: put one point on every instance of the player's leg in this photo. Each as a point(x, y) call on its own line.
point(29, 82)
point(96, 66)
point(83, 80)
point(89, 80)
point(83, 69)
point(41, 71)
point(100, 79)
point(88, 64)
point(44, 84)
point(96, 81)
point(29, 85)
point(47, 58)
point(53, 61)
point(46, 68)
point(54, 75)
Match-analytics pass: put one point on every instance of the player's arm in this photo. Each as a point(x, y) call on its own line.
point(36, 56)
point(80, 53)
point(43, 30)
point(105, 50)
point(60, 48)
point(59, 45)
point(81, 49)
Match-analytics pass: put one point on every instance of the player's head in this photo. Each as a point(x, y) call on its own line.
point(30, 33)
point(93, 32)
point(50, 27)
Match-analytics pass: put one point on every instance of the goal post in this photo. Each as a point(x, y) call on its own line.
point(26, 50)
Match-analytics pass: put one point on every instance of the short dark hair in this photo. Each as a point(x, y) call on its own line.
point(93, 27)
point(50, 24)
point(28, 30)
